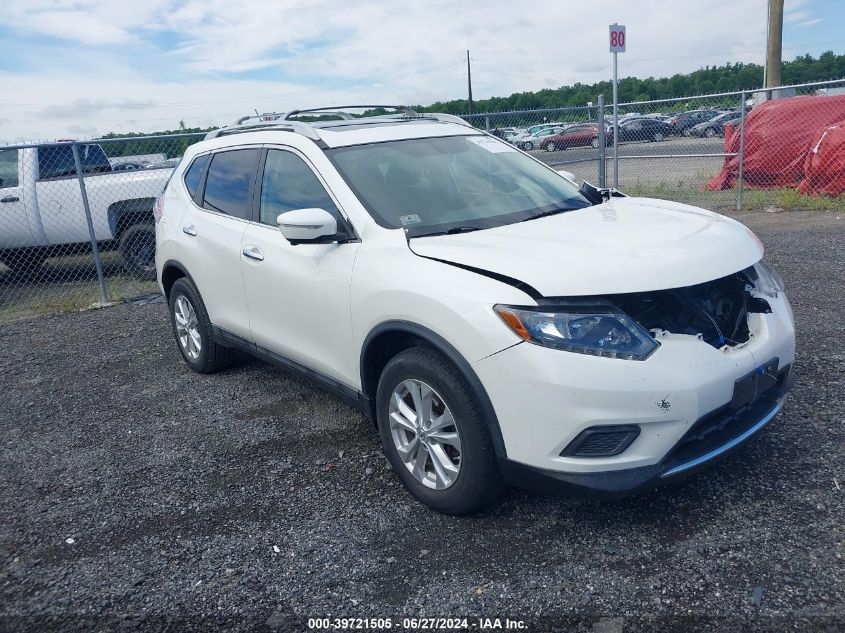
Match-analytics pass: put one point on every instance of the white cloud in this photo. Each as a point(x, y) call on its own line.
point(311, 52)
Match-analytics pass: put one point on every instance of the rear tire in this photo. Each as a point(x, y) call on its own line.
point(528, 146)
point(138, 250)
point(658, 136)
point(477, 481)
point(551, 147)
point(594, 143)
point(710, 132)
point(192, 330)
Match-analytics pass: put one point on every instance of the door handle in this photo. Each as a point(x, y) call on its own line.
point(9, 199)
point(189, 230)
point(253, 252)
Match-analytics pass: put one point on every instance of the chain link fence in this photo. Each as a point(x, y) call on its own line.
point(76, 223)
point(777, 148)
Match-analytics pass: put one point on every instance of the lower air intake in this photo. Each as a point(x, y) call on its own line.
point(602, 441)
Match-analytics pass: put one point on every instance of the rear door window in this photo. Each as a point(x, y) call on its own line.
point(228, 187)
point(55, 161)
point(9, 168)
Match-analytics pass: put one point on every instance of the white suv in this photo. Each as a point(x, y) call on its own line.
point(496, 321)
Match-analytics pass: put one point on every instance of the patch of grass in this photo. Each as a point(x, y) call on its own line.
point(37, 298)
point(752, 199)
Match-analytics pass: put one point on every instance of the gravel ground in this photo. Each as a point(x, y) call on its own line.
point(140, 496)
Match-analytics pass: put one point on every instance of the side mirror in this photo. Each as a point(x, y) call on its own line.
point(307, 225)
point(567, 174)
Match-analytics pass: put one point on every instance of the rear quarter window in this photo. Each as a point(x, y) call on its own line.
point(194, 173)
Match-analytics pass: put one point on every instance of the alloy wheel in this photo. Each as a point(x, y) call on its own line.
point(187, 327)
point(425, 434)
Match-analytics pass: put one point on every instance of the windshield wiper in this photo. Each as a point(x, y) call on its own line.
point(450, 231)
point(548, 213)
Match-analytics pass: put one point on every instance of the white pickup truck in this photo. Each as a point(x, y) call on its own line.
point(42, 215)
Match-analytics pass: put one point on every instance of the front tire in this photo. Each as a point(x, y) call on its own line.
point(551, 147)
point(192, 330)
point(528, 146)
point(710, 132)
point(434, 433)
point(594, 143)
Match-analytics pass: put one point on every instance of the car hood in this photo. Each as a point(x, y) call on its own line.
point(623, 245)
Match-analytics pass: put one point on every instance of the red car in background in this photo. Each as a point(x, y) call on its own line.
point(578, 135)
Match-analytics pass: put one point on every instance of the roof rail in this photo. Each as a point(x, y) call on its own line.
point(265, 123)
point(282, 121)
point(341, 110)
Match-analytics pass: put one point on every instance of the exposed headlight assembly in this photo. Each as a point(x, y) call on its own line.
point(609, 334)
point(766, 279)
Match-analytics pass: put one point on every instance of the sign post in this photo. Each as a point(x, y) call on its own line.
point(617, 45)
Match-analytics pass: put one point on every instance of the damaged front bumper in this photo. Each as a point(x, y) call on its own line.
point(731, 429)
point(545, 399)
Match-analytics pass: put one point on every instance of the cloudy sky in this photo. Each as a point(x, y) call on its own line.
point(79, 68)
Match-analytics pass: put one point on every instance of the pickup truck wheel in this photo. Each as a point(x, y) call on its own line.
point(192, 330)
point(138, 249)
point(434, 433)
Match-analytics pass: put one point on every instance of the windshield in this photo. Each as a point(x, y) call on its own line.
point(453, 183)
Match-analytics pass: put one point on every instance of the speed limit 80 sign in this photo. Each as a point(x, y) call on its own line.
point(617, 38)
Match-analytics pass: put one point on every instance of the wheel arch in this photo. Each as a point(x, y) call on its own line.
point(391, 337)
point(125, 213)
point(172, 271)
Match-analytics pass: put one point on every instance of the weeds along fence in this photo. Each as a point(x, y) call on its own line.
point(76, 222)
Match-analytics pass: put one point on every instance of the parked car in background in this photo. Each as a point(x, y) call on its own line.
point(127, 166)
point(715, 126)
point(685, 121)
point(504, 132)
point(578, 135)
point(641, 130)
point(665, 118)
point(43, 214)
point(535, 140)
point(170, 163)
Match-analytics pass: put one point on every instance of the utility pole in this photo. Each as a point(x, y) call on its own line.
point(774, 45)
point(469, 85)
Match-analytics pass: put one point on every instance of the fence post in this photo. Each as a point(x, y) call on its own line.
point(602, 144)
point(741, 151)
point(97, 263)
point(487, 122)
